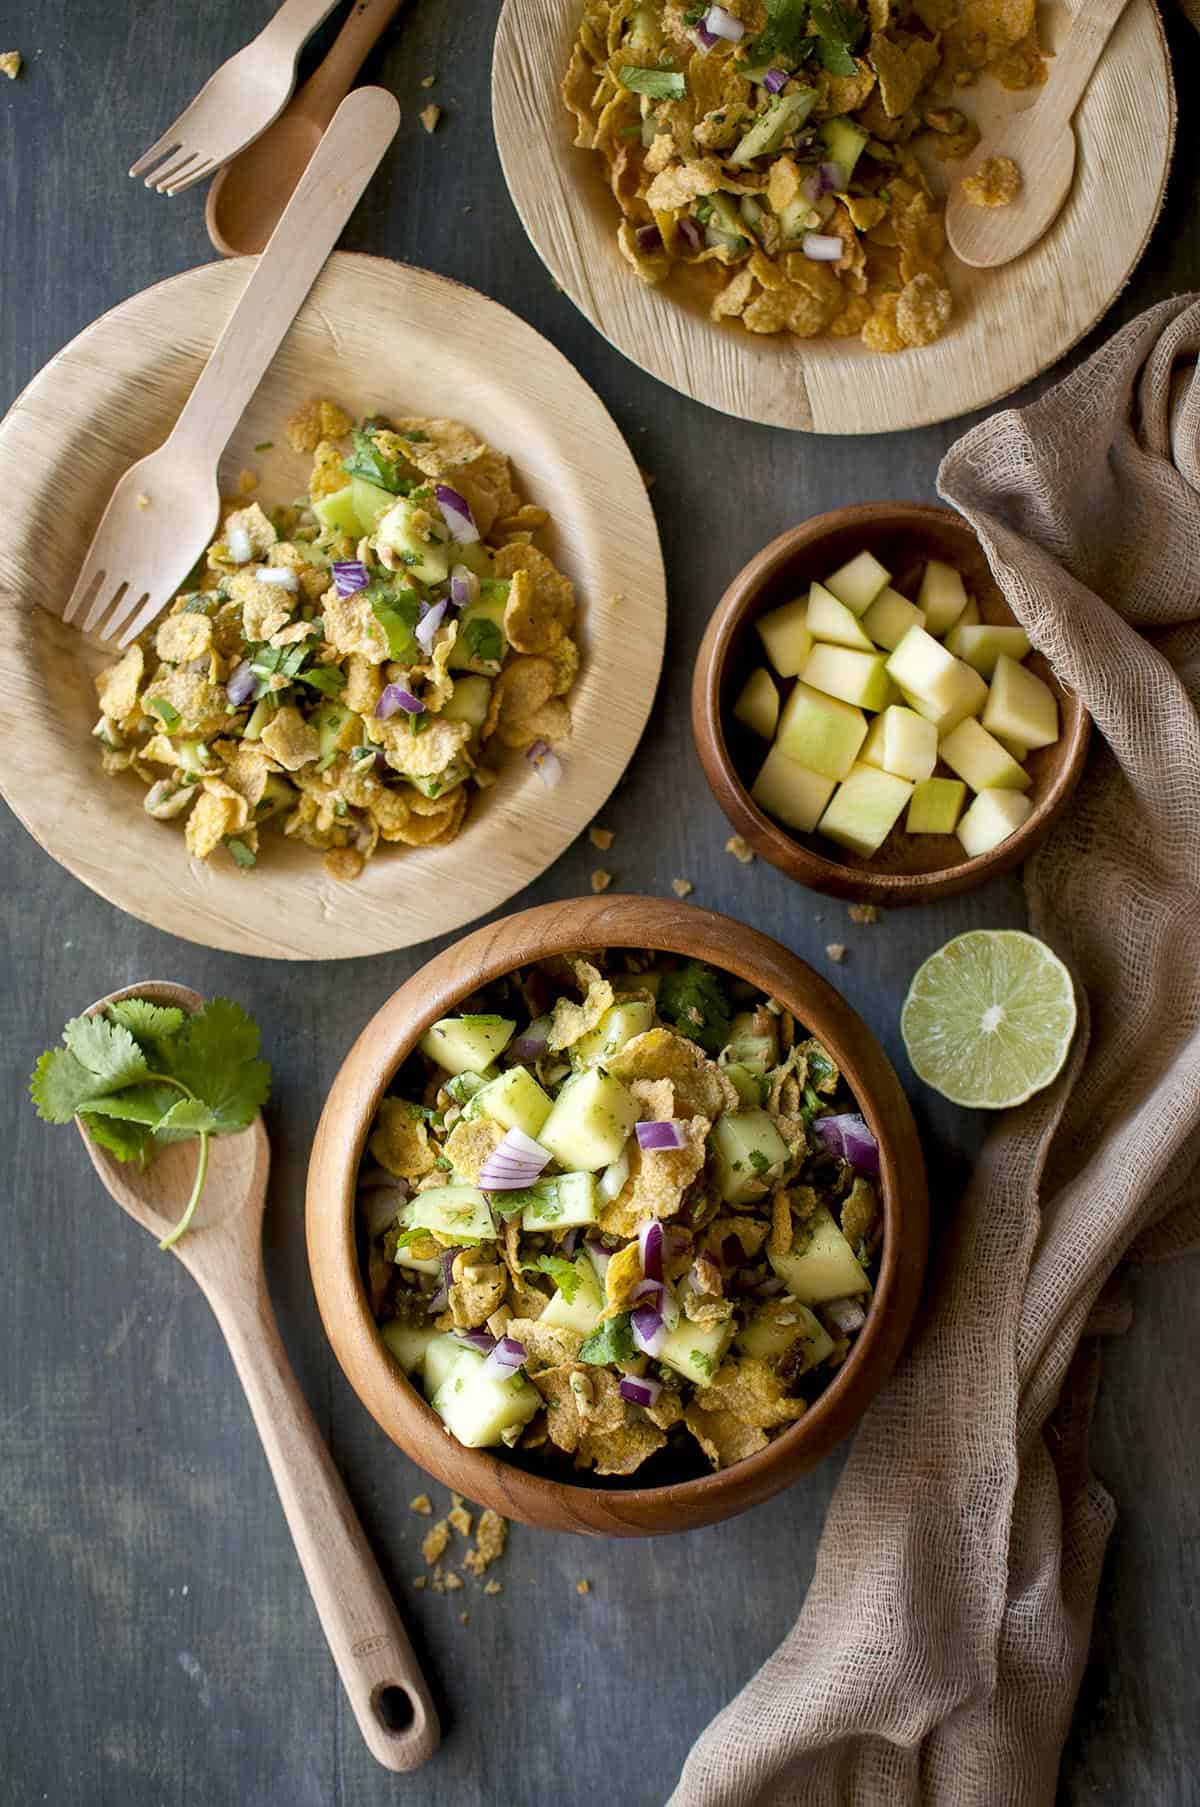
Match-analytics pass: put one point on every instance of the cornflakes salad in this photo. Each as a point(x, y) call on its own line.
point(622, 1203)
point(345, 664)
point(773, 142)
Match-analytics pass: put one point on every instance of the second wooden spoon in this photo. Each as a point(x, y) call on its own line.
point(247, 197)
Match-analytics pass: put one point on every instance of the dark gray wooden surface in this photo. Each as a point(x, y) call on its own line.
point(156, 1640)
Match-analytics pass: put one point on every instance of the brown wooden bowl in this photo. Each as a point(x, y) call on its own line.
point(907, 868)
point(615, 1508)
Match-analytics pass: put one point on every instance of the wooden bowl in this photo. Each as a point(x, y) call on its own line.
point(907, 868)
point(616, 1508)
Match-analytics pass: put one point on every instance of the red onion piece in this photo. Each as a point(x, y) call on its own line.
point(464, 586)
point(822, 247)
point(649, 1292)
point(479, 1340)
point(649, 1331)
point(514, 1164)
point(505, 1359)
point(457, 511)
point(394, 698)
point(531, 1043)
point(427, 627)
point(650, 1247)
point(847, 1314)
point(349, 575)
point(722, 24)
point(638, 1391)
point(546, 763)
point(767, 1289)
point(706, 39)
point(242, 684)
point(849, 1137)
point(570, 1242)
point(774, 80)
point(649, 238)
point(664, 1133)
point(690, 233)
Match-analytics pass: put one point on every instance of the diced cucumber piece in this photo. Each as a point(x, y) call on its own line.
point(427, 559)
point(467, 1044)
point(784, 633)
point(371, 501)
point(935, 806)
point(515, 1099)
point(972, 752)
point(407, 1343)
point(889, 618)
point(757, 705)
point(844, 143)
point(746, 1082)
point(592, 1119)
point(479, 1408)
point(469, 701)
point(790, 791)
point(474, 555)
point(942, 595)
point(441, 1355)
point(858, 678)
point(482, 642)
point(821, 1264)
point(864, 809)
point(696, 1350)
point(338, 512)
point(337, 730)
point(460, 1213)
point(786, 1327)
point(858, 583)
point(992, 817)
point(463, 1087)
point(562, 1202)
point(747, 1146)
point(278, 795)
point(819, 732)
point(1020, 706)
point(417, 1264)
point(583, 1310)
point(619, 1024)
point(261, 716)
point(747, 1046)
point(785, 113)
point(828, 619)
point(436, 784)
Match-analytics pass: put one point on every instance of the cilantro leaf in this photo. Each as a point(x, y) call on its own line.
point(659, 84)
point(146, 1021)
point(483, 640)
point(242, 854)
point(693, 1000)
point(99, 1056)
point(564, 1273)
point(215, 1057)
point(166, 712)
point(367, 460)
point(185, 1118)
point(147, 1104)
point(128, 1141)
point(325, 678)
point(839, 28)
point(784, 39)
point(612, 1342)
point(397, 610)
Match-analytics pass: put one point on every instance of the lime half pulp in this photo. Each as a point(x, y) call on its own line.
point(988, 1019)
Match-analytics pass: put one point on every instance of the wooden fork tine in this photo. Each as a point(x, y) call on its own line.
point(162, 179)
point(166, 146)
point(205, 168)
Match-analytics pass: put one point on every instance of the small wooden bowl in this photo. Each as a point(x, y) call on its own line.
point(612, 1509)
point(907, 868)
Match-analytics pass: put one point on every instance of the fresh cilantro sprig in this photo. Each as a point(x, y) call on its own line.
point(565, 1275)
point(143, 1075)
point(369, 461)
point(786, 40)
point(612, 1342)
point(693, 1000)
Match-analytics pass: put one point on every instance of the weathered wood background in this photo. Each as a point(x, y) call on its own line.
point(158, 1645)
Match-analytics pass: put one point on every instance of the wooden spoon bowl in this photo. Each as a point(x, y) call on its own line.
point(686, 1497)
point(907, 868)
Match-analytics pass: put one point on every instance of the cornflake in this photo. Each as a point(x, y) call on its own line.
point(996, 183)
point(682, 887)
point(740, 848)
point(601, 879)
point(429, 117)
point(601, 838)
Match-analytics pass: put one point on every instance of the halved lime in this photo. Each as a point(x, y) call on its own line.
point(988, 1020)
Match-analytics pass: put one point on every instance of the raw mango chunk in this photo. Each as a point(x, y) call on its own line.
point(859, 583)
point(992, 817)
point(942, 595)
point(467, 1044)
point(747, 1147)
point(935, 806)
point(515, 1100)
point(757, 706)
point(828, 619)
point(583, 1310)
point(819, 732)
point(785, 1327)
point(864, 809)
point(459, 1213)
point(695, 1350)
point(784, 633)
point(479, 1408)
point(980, 647)
point(923, 668)
point(591, 1121)
point(971, 751)
point(903, 743)
point(1020, 706)
point(820, 1265)
point(565, 1201)
point(889, 618)
point(408, 1343)
point(619, 1024)
point(791, 792)
point(854, 677)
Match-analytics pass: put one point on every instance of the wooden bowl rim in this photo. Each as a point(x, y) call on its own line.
point(609, 921)
point(794, 856)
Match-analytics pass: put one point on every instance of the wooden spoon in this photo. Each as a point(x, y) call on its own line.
point(247, 197)
point(222, 1250)
point(1041, 141)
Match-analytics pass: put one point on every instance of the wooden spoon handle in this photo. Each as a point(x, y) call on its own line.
point(1092, 25)
point(294, 23)
point(330, 81)
point(326, 195)
point(358, 1616)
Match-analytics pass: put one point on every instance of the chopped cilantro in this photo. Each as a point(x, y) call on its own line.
point(242, 854)
point(659, 84)
point(839, 28)
point(612, 1342)
point(325, 678)
point(397, 609)
point(564, 1273)
point(693, 1000)
point(166, 712)
point(759, 1161)
point(700, 1360)
point(264, 445)
point(784, 39)
point(483, 640)
point(366, 460)
point(822, 1072)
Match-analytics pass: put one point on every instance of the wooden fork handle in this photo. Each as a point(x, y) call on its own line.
point(294, 23)
point(358, 1616)
point(365, 25)
point(326, 195)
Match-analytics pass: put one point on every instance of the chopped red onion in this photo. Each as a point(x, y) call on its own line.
point(394, 698)
point(515, 1163)
point(649, 1292)
point(690, 233)
point(242, 684)
point(570, 1242)
point(441, 1297)
point(504, 1359)
point(237, 544)
point(639, 1391)
point(822, 247)
point(665, 1133)
point(722, 24)
point(349, 575)
point(847, 1314)
point(677, 1239)
point(427, 627)
point(849, 1137)
point(457, 511)
point(649, 238)
point(479, 1340)
point(774, 80)
point(649, 1331)
point(531, 1043)
point(767, 1289)
point(650, 1247)
point(464, 586)
point(706, 39)
point(546, 763)
point(281, 576)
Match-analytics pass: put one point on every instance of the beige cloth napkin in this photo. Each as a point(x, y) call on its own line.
point(939, 1651)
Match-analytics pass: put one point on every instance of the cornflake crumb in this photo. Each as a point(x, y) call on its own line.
point(740, 848)
point(996, 183)
point(452, 1583)
point(247, 482)
point(143, 500)
point(491, 1535)
point(583, 1587)
point(836, 951)
point(647, 477)
point(493, 1587)
point(427, 81)
point(601, 838)
point(430, 116)
point(422, 1504)
point(433, 1544)
point(10, 64)
point(461, 1519)
point(418, 1582)
point(601, 879)
point(463, 1617)
point(864, 912)
point(682, 887)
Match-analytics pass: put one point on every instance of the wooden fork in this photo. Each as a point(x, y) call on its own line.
point(164, 509)
point(235, 104)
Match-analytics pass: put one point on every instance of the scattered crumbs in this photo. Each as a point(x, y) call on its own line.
point(452, 1583)
point(601, 879)
point(418, 1582)
point(461, 1519)
point(864, 912)
point(430, 116)
point(836, 951)
point(491, 1535)
point(427, 81)
point(601, 838)
point(143, 500)
point(493, 1587)
point(433, 1544)
point(647, 477)
point(463, 1617)
point(264, 445)
point(422, 1504)
point(682, 887)
point(740, 848)
point(456, 1499)
point(184, 1590)
point(583, 1587)
point(468, 209)
point(10, 64)
point(247, 482)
